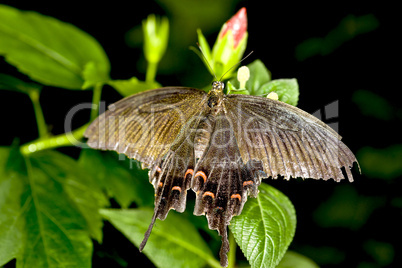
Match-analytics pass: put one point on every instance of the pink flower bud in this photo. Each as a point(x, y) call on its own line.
point(238, 26)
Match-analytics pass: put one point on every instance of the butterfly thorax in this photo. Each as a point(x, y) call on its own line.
point(215, 96)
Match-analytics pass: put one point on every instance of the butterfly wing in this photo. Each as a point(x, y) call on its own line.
point(288, 141)
point(143, 126)
point(222, 181)
point(170, 174)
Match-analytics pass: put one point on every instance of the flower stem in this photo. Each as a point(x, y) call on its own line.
point(232, 250)
point(40, 119)
point(151, 72)
point(65, 139)
point(97, 92)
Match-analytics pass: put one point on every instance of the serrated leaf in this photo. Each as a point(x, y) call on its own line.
point(49, 51)
point(287, 90)
point(132, 86)
point(119, 176)
point(56, 233)
point(293, 259)
point(265, 227)
point(80, 187)
point(173, 242)
point(11, 209)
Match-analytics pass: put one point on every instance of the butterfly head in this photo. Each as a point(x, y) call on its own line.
point(218, 86)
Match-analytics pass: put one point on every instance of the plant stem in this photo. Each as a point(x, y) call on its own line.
point(232, 250)
point(65, 139)
point(40, 119)
point(213, 263)
point(151, 72)
point(97, 92)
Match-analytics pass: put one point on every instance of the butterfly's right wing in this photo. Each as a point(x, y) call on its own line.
point(289, 141)
point(143, 126)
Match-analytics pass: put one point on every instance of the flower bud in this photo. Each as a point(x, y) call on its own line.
point(156, 35)
point(230, 44)
point(237, 25)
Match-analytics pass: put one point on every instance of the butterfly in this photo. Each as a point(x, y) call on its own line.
point(219, 145)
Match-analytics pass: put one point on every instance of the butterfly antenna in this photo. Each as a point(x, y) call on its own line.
point(205, 59)
point(235, 65)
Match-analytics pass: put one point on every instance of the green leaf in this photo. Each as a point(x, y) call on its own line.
point(173, 242)
point(382, 252)
point(382, 163)
point(293, 259)
point(259, 75)
point(373, 105)
point(120, 177)
point(347, 208)
point(132, 86)
point(56, 232)
point(265, 227)
point(11, 209)
point(81, 188)
point(93, 75)
point(49, 51)
point(40, 224)
point(8, 82)
point(287, 90)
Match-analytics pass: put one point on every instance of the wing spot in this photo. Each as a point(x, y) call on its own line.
point(202, 174)
point(233, 196)
point(178, 188)
point(189, 171)
point(158, 169)
point(247, 183)
point(208, 193)
point(160, 184)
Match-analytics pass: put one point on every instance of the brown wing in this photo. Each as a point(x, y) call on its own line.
point(170, 175)
point(222, 181)
point(143, 126)
point(289, 141)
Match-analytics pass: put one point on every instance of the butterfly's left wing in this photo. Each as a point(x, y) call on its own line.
point(170, 173)
point(222, 181)
point(143, 126)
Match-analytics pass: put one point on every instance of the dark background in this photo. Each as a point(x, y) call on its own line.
point(339, 224)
